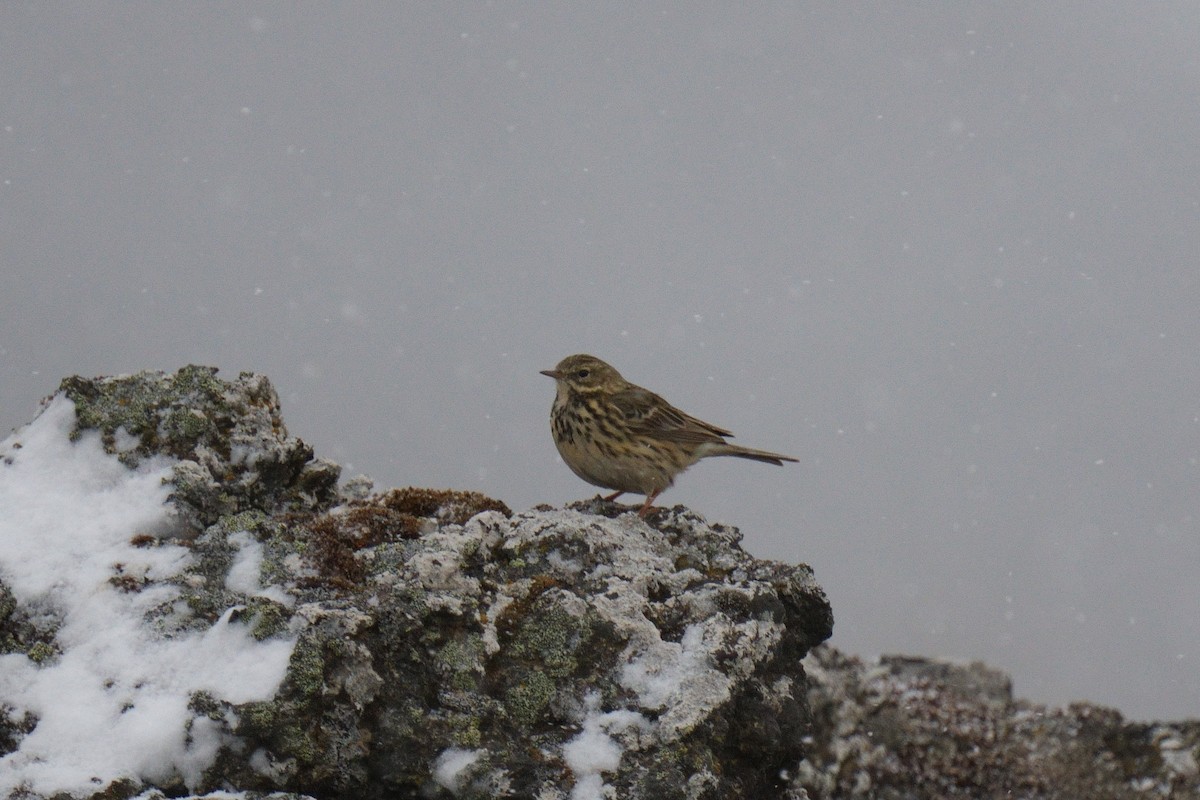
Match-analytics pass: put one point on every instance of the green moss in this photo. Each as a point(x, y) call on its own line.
point(186, 424)
point(464, 730)
point(270, 618)
point(8, 602)
point(156, 408)
point(296, 742)
point(459, 661)
point(194, 379)
point(259, 715)
point(200, 605)
point(205, 704)
point(674, 765)
point(41, 652)
point(249, 521)
point(417, 718)
point(306, 669)
point(549, 638)
point(126, 403)
point(526, 701)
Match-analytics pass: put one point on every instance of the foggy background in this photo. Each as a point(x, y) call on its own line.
point(945, 254)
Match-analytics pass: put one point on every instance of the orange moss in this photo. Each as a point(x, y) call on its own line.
point(449, 505)
point(334, 539)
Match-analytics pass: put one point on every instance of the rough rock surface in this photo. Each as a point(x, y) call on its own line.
point(917, 728)
point(447, 647)
point(465, 657)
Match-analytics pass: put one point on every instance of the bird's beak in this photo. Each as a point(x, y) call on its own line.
point(552, 373)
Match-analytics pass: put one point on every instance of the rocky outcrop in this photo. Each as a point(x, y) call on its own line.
point(530, 654)
point(443, 646)
point(916, 728)
point(438, 645)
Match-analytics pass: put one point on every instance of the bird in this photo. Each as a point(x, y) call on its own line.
point(616, 435)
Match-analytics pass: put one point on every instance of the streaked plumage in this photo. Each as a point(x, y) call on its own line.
point(617, 435)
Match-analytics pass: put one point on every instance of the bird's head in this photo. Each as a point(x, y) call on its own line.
point(583, 373)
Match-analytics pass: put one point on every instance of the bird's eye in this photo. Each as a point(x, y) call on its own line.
point(583, 373)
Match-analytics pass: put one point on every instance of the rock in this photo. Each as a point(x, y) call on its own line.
point(228, 437)
point(434, 644)
point(154, 794)
point(441, 645)
point(914, 728)
point(491, 654)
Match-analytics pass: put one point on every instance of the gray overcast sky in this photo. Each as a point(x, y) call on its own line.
point(944, 253)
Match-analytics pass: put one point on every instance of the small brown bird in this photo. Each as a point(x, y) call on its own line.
point(617, 435)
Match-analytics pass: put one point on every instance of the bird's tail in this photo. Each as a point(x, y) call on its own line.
point(754, 455)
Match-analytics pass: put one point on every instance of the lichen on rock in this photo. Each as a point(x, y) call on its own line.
point(228, 437)
point(919, 728)
point(489, 635)
point(439, 645)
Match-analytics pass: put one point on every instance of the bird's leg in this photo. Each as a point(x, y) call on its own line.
point(609, 498)
point(645, 509)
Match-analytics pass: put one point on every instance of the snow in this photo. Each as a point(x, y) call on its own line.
point(115, 702)
point(592, 751)
point(243, 575)
point(449, 766)
point(658, 675)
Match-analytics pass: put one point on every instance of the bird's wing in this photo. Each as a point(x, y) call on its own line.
point(650, 415)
